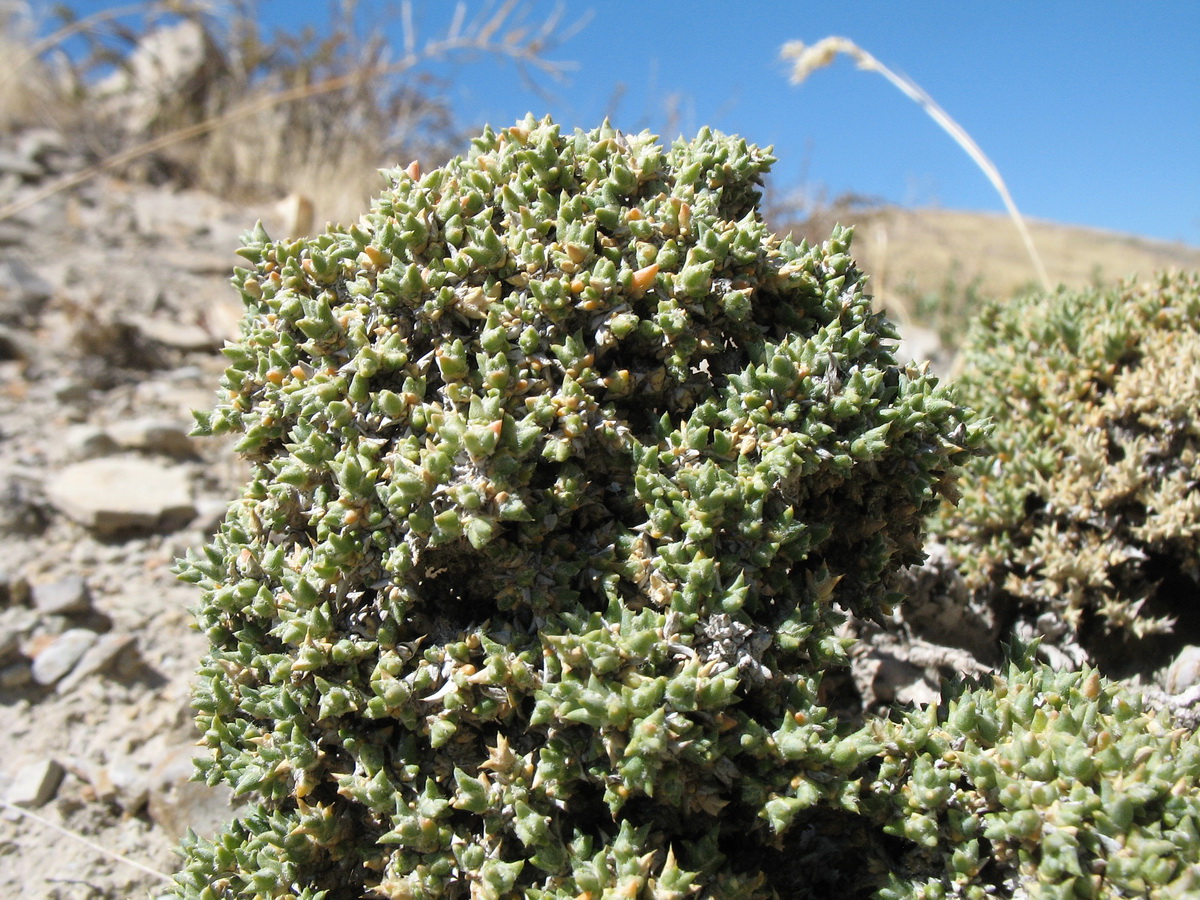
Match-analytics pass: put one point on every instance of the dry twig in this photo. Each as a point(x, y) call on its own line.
point(42, 820)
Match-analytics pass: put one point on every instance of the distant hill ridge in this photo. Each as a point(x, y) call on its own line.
point(911, 252)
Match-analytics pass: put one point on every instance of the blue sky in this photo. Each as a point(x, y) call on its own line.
point(1091, 111)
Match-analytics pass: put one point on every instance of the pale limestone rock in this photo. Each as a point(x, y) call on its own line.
point(35, 784)
point(60, 655)
point(1184, 671)
point(97, 658)
point(117, 494)
point(153, 436)
point(64, 597)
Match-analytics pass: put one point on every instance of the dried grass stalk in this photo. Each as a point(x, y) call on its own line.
point(809, 58)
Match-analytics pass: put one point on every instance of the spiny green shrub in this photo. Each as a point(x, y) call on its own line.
point(1040, 784)
point(1087, 513)
point(561, 465)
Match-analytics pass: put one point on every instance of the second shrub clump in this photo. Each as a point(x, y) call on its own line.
point(1086, 518)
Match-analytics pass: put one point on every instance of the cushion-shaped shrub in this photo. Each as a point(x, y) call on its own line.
point(1038, 784)
point(1086, 516)
point(561, 466)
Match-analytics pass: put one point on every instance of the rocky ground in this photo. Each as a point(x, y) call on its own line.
point(114, 303)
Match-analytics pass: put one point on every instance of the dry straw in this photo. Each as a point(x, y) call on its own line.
point(819, 55)
point(66, 832)
point(498, 33)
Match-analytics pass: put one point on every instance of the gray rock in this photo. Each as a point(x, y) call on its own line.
point(210, 513)
point(35, 784)
point(88, 442)
point(19, 621)
point(23, 292)
point(62, 598)
point(178, 335)
point(153, 436)
point(922, 344)
point(170, 67)
point(98, 658)
point(195, 260)
point(939, 607)
point(118, 494)
point(176, 803)
point(1184, 671)
point(60, 656)
point(185, 374)
point(12, 234)
point(884, 678)
point(122, 782)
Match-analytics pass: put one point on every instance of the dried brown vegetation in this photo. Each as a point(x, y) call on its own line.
point(173, 91)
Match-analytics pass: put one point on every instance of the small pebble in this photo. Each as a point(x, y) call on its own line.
point(61, 655)
point(153, 436)
point(97, 658)
point(62, 598)
point(88, 442)
point(35, 784)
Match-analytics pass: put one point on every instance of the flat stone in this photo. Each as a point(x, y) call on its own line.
point(17, 345)
point(196, 261)
point(210, 513)
point(122, 782)
point(118, 494)
point(18, 622)
point(60, 655)
point(62, 598)
point(898, 680)
point(97, 658)
point(920, 344)
point(11, 234)
point(35, 784)
point(167, 212)
point(178, 335)
point(153, 436)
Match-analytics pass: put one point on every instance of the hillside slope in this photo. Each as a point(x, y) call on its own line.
point(915, 253)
